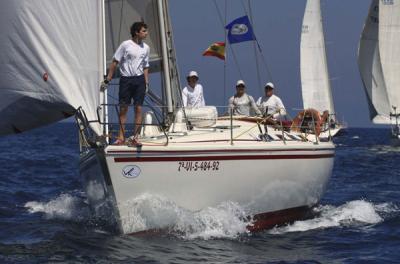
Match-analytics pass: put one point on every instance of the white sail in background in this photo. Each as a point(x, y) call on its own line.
point(369, 63)
point(389, 48)
point(51, 61)
point(121, 14)
point(316, 90)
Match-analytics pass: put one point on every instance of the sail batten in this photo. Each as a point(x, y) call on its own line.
point(316, 90)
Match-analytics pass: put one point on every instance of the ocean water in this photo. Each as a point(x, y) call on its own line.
point(44, 216)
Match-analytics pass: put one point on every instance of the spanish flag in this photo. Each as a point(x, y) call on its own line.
point(216, 49)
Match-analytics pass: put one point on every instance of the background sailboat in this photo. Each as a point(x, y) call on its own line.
point(315, 84)
point(379, 62)
point(369, 61)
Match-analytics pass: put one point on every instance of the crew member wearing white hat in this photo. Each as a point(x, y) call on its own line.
point(192, 94)
point(241, 102)
point(273, 103)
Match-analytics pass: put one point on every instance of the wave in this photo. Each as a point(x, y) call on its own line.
point(64, 207)
point(227, 220)
point(148, 211)
point(358, 212)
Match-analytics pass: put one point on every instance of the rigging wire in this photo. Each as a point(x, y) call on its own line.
point(230, 47)
point(263, 59)
point(255, 50)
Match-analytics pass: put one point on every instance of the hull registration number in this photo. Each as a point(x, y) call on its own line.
point(198, 165)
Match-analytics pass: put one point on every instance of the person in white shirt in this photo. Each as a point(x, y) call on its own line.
point(273, 103)
point(133, 57)
point(241, 102)
point(192, 94)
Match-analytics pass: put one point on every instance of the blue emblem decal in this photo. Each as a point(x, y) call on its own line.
point(131, 171)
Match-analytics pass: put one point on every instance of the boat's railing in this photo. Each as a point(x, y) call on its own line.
point(281, 129)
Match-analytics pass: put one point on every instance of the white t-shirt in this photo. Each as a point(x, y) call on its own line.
point(132, 58)
point(274, 103)
point(243, 105)
point(193, 97)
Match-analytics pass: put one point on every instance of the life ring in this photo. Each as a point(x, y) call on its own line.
point(318, 119)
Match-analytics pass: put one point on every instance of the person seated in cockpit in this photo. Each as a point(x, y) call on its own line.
point(271, 103)
point(192, 94)
point(241, 103)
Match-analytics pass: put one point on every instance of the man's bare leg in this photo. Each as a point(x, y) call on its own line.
point(123, 110)
point(138, 120)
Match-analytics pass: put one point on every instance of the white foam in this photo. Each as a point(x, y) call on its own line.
point(358, 212)
point(356, 137)
point(228, 220)
point(65, 206)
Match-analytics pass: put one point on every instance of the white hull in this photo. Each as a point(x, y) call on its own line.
point(260, 176)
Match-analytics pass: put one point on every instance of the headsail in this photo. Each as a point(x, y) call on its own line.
point(369, 62)
point(389, 48)
point(316, 90)
point(51, 57)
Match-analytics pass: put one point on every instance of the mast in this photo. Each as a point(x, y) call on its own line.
point(165, 59)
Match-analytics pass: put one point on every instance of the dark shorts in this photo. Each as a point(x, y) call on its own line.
point(132, 88)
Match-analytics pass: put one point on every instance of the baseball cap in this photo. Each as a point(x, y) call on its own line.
point(269, 84)
point(240, 82)
point(193, 74)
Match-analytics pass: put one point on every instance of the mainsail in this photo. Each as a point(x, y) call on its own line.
point(316, 90)
point(389, 48)
point(51, 57)
point(369, 62)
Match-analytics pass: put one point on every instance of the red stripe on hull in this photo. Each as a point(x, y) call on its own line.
point(216, 151)
point(202, 158)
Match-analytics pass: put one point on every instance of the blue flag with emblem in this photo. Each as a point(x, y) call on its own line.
point(240, 30)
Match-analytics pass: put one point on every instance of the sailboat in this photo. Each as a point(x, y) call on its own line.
point(55, 54)
point(315, 83)
point(379, 63)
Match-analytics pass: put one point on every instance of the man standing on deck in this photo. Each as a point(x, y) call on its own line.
point(133, 58)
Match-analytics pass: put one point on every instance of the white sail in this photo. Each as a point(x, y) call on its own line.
point(316, 90)
point(369, 63)
point(121, 14)
point(389, 48)
point(51, 61)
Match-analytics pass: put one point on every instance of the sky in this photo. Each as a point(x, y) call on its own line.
point(277, 25)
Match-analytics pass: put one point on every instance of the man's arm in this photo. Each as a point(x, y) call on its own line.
point(146, 75)
point(254, 106)
point(111, 70)
point(281, 107)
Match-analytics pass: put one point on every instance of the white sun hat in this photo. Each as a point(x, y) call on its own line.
point(193, 74)
point(240, 82)
point(269, 84)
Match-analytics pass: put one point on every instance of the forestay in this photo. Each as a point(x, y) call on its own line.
point(316, 90)
point(369, 62)
point(389, 48)
point(51, 57)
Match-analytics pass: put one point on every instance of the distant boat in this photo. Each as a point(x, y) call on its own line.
point(53, 56)
point(379, 62)
point(315, 83)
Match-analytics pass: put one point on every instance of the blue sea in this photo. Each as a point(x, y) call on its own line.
point(44, 217)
